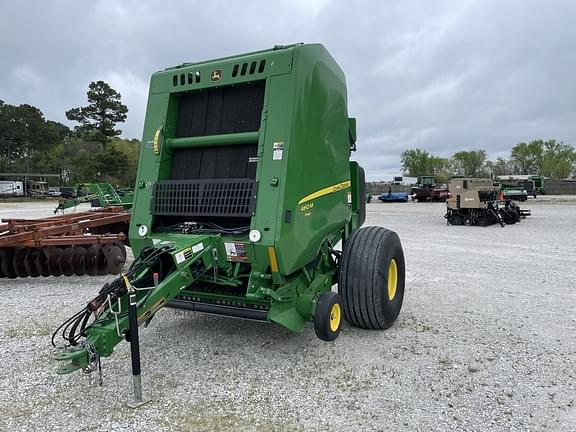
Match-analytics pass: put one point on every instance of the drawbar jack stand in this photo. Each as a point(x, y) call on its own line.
point(139, 400)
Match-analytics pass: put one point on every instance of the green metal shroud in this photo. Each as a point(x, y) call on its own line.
point(308, 197)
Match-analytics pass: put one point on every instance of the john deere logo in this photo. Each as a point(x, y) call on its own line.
point(216, 75)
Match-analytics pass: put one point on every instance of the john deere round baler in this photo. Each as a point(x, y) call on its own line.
point(245, 186)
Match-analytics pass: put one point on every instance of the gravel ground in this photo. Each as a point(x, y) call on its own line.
point(485, 342)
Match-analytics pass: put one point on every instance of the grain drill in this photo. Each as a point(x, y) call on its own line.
point(475, 201)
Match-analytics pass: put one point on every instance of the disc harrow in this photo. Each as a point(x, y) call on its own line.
point(88, 243)
point(58, 261)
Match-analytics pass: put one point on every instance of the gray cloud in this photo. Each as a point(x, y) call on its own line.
point(443, 76)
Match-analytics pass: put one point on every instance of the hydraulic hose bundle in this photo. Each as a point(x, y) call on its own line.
point(140, 274)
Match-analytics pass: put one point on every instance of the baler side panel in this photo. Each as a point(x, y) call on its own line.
point(274, 128)
point(317, 159)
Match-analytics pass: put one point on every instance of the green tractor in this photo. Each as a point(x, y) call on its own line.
point(245, 187)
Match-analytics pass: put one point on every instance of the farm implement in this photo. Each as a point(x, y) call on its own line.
point(98, 194)
point(393, 196)
point(475, 201)
point(245, 186)
point(90, 243)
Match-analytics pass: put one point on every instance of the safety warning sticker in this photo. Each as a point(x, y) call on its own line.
point(186, 253)
point(236, 252)
point(183, 255)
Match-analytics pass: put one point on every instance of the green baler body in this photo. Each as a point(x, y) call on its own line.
point(304, 111)
point(274, 119)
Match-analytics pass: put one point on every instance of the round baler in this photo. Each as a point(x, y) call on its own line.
point(245, 187)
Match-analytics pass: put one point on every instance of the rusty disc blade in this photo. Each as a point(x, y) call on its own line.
point(101, 262)
point(18, 262)
point(122, 248)
point(30, 262)
point(116, 260)
point(90, 260)
point(66, 261)
point(42, 264)
point(7, 262)
point(78, 261)
point(54, 255)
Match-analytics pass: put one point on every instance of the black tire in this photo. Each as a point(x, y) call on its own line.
point(483, 220)
point(456, 219)
point(328, 316)
point(509, 217)
point(366, 269)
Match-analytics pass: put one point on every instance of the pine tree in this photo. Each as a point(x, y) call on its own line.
point(98, 119)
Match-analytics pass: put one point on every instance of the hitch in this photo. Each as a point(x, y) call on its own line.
point(76, 358)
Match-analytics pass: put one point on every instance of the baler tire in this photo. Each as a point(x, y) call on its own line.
point(328, 316)
point(372, 277)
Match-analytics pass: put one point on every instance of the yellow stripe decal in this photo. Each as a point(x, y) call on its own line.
point(156, 142)
point(273, 261)
point(327, 190)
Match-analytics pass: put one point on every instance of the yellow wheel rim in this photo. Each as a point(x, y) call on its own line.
point(392, 279)
point(335, 317)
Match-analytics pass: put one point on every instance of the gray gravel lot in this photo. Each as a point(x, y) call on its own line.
point(486, 341)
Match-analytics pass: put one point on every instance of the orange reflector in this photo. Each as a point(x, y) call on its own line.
point(273, 260)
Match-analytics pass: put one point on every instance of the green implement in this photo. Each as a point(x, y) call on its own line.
point(245, 186)
point(99, 194)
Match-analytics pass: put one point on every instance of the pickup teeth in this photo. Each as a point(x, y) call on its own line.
point(223, 302)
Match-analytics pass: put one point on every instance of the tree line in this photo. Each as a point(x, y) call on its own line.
point(90, 152)
point(93, 152)
point(550, 158)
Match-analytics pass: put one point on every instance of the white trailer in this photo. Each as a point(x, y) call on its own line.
point(11, 188)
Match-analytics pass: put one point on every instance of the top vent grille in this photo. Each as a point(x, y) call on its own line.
point(189, 78)
point(241, 69)
point(248, 68)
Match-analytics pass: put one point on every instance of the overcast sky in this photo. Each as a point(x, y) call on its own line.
point(438, 75)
